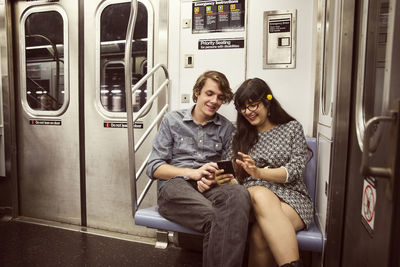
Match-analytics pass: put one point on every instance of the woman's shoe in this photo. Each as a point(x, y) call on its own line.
point(298, 263)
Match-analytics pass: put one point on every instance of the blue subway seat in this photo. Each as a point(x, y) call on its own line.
point(308, 240)
point(150, 217)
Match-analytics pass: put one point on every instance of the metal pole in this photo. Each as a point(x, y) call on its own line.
point(128, 98)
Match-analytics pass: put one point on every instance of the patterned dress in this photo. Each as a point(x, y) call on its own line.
point(284, 146)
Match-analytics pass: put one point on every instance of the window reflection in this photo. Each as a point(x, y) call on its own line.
point(329, 58)
point(375, 60)
point(114, 22)
point(371, 99)
point(44, 44)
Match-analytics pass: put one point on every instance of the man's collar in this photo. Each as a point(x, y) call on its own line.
point(188, 116)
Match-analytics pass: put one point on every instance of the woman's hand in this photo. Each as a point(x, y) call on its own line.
point(224, 178)
point(247, 163)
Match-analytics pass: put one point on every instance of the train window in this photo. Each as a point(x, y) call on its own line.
point(45, 55)
point(372, 35)
point(113, 24)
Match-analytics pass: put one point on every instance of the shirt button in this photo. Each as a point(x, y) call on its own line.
point(200, 140)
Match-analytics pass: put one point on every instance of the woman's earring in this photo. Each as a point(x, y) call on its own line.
point(268, 114)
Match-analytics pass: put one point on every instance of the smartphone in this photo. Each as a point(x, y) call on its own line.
point(227, 166)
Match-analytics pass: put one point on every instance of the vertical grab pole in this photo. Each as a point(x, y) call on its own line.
point(128, 101)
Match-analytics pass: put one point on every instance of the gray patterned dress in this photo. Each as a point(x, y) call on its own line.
point(284, 146)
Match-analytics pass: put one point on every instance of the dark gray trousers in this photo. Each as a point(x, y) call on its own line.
point(221, 213)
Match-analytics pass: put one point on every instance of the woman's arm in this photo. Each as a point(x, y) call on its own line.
point(271, 174)
point(289, 172)
point(298, 156)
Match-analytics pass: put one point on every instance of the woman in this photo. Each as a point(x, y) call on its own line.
point(270, 154)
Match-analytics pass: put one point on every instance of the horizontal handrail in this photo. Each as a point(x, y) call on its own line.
point(131, 120)
point(143, 110)
point(142, 167)
point(149, 74)
point(132, 152)
point(116, 42)
point(164, 86)
point(150, 128)
point(150, 101)
point(144, 192)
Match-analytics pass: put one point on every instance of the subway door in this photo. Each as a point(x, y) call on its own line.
point(47, 109)
point(371, 233)
point(107, 174)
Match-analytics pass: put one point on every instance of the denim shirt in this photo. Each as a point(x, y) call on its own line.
point(183, 143)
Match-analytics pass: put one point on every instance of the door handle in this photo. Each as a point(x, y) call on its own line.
point(367, 170)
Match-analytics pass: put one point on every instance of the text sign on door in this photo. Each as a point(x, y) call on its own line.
point(45, 122)
point(113, 124)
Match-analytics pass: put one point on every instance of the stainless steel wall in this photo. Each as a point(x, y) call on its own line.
point(50, 144)
point(48, 139)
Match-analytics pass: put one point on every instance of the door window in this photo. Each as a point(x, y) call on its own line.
point(330, 57)
point(113, 24)
point(371, 100)
point(45, 55)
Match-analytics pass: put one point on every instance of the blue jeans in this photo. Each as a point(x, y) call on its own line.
point(221, 213)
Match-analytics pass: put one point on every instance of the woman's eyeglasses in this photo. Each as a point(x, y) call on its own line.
point(251, 107)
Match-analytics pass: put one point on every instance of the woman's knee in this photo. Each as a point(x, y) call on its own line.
point(262, 196)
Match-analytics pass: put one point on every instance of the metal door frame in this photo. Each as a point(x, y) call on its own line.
point(341, 126)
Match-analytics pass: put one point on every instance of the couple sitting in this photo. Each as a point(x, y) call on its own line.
point(269, 152)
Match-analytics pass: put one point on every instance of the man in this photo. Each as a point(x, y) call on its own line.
point(185, 151)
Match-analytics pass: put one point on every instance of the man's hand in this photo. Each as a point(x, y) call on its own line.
point(197, 174)
point(207, 179)
point(206, 171)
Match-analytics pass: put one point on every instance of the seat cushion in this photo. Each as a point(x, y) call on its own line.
point(309, 240)
point(150, 217)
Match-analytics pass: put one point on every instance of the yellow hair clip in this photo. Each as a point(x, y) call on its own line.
point(269, 96)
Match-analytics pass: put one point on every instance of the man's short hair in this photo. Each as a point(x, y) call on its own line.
point(217, 77)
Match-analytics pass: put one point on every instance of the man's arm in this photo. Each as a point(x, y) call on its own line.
point(158, 165)
point(167, 171)
point(161, 152)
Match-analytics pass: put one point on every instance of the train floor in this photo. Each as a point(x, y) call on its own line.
point(27, 244)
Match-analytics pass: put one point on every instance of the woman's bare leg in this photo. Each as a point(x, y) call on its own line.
point(278, 223)
point(259, 252)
